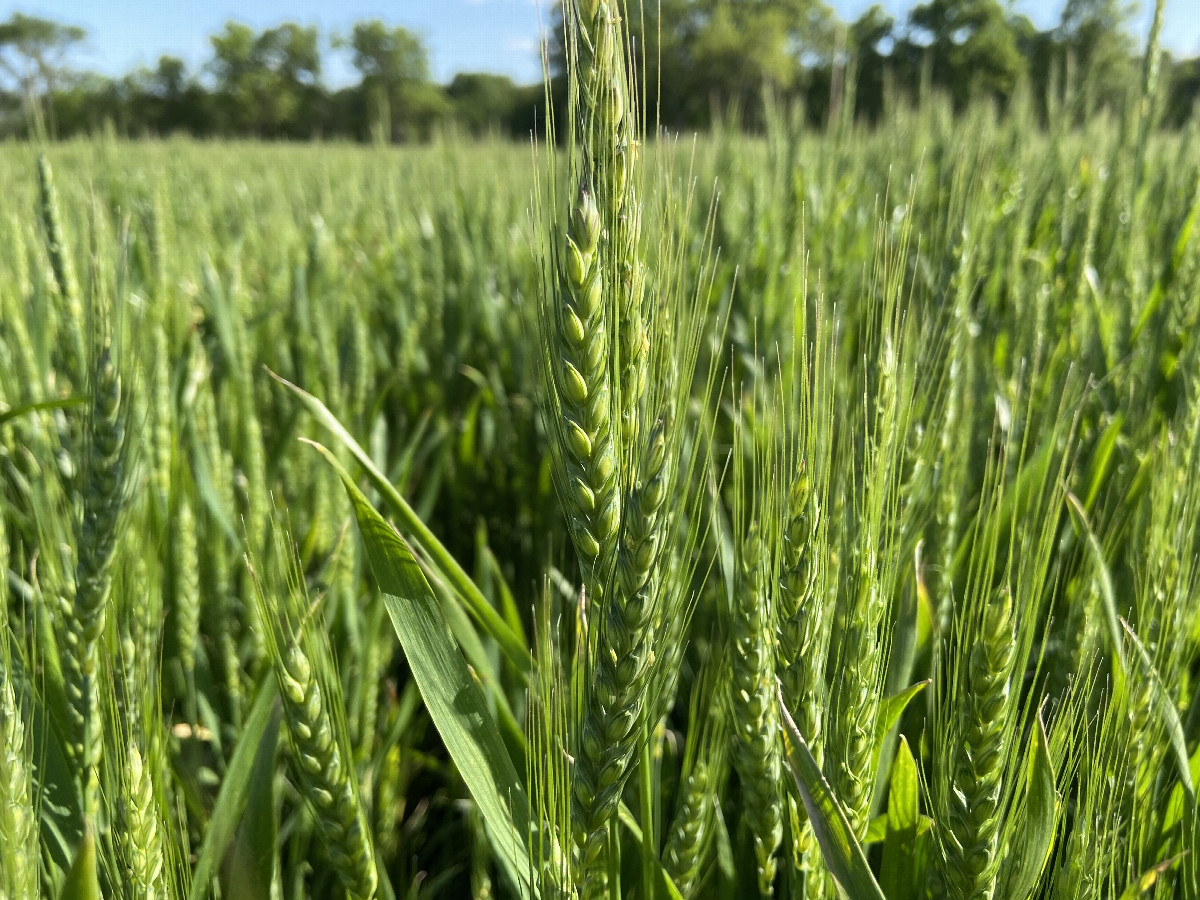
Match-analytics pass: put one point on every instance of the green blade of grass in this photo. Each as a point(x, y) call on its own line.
point(454, 700)
point(250, 863)
point(491, 621)
point(1170, 715)
point(1042, 804)
point(235, 789)
point(842, 852)
point(892, 708)
point(482, 666)
point(1108, 596)
point(82, 882)
point(906, 641)
point(1102, 459)
point(1148, 880)
point(25, 409)
point(900, 873)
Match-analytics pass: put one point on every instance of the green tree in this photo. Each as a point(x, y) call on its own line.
point(32, 51)
point(267, 81)
point(696, 57)
point(865, 39)
point(871, 29)
point(395, 73)
point(972, 47)
point(170, 77)
point(739, 49)
point(164, 99)
point(482, 102)
point(1183, 92)
point(1095, 34)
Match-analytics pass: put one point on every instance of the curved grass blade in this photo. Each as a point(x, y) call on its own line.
point(843, 854)
point(235, 789)
point(511, 645)
point(1148, 880)
point(1102, 459)
point(1107, 594)
point(482, 667)
point(83, 882)
point(662, 879)
point(25, 409)
point(1042, 804)
point(906, 641)
point(901, 870)
point(454, 699)
point(892, 708)
point(250, 863)
point(1170, 715)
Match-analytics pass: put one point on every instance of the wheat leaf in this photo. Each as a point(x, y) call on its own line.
point(491, 621)
point(892, 708)
point(82, 882)
point(843, 854)
point(250, 863)
point(900, 872)
point(1104, 578)
point(1170, 715)
point(235, 789)
point(1041, 816)
point(453, 698)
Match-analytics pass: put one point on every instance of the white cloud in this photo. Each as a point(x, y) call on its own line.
point(521, 44)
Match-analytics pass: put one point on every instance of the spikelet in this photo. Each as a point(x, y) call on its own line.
point(617, 702)
point(316, 726)
point(690, 830)
point(584, 392)
point(325, 773)
point(388, 803)
point(143, 837)
point(218, 619)
point(83, 613)
point(18, 819)
point(185, 574)
point(952, 463)
point(72, 355)
point(18, 823)
point(705, 766)
point(104, 497)
point(161, 238)
point(611, 466)
point(162, 431)
point(803, 648)
point(971, 858)
point(14, 336)
point(868, 575)
point(597, 388)
point(757, 754)
point(357, 372)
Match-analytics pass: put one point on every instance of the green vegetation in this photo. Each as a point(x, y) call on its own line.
point(797, 515)
point(701, 61)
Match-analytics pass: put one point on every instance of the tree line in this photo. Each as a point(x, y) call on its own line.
point(703, 61)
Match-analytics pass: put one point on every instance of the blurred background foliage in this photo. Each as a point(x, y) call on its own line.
point(703, 60)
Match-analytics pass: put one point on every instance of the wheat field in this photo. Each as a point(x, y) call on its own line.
point(805, 514)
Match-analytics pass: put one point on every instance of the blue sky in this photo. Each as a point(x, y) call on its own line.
point(462, 35)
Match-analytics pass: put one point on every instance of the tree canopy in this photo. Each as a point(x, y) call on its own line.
point(698, 59)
